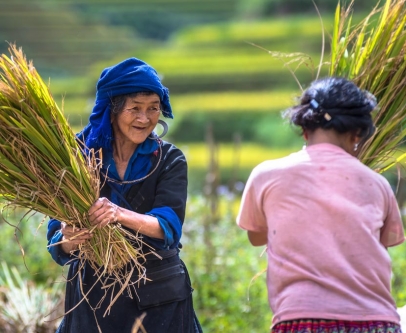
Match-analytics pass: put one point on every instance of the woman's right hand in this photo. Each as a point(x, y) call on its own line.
point(72, 237)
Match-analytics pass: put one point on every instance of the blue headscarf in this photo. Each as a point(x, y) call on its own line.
point(129, 76)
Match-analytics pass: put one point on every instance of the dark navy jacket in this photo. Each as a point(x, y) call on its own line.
point(167, 300)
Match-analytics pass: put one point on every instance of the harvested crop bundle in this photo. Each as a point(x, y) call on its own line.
point(44, 168)
point(373, 55)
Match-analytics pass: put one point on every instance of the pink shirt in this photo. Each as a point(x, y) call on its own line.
point(328, 218)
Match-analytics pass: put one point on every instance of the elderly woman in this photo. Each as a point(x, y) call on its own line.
point(327, 220)
point(145, 189)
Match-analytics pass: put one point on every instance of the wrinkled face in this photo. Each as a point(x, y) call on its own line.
point(138, 118)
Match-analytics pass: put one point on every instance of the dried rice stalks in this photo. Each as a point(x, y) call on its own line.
point(138, 327)
point(373, 55)
point(42, 168)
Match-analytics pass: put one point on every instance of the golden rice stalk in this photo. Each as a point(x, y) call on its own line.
point(373, 55)
point(43, 168)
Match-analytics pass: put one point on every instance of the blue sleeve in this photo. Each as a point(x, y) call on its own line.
point(170, 224)
point(54, 235)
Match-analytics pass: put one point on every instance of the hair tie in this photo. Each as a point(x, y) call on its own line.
point(314, 104)
point(316, 107)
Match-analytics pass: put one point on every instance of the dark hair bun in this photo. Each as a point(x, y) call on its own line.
point(334, 103)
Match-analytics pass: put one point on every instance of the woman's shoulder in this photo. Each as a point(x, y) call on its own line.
point(382, 180)
point(169, 149)
point(281, 164)
point(171, 155)
point(284, 161)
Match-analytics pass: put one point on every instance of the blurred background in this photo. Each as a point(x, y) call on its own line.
point(227, 93)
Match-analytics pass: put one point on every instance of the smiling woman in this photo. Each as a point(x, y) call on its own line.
point(133, 118)
point(143, 194)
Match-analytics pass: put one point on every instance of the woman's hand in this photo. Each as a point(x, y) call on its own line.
point(103, 212)
point(72, 237)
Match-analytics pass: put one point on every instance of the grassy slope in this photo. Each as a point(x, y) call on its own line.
point(212, 73)
point(218, 80)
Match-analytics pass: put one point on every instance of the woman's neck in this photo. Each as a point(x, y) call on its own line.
point(123, 150)
point(345, 141)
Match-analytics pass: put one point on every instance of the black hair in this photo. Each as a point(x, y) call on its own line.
point(117, 102)
point(334, 103)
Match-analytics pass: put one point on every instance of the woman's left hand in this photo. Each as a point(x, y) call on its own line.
point(103, 212)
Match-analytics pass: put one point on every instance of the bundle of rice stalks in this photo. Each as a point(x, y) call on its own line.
point(43, 168)
point(373, 55)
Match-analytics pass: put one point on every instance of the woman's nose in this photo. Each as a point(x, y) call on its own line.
point(141, 117)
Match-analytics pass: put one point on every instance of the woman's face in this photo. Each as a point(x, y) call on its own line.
point(137, 119)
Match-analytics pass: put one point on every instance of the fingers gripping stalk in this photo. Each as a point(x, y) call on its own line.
point(103, 212)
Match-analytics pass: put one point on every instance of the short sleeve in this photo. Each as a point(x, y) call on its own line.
point(392, 232)
point(251, 216)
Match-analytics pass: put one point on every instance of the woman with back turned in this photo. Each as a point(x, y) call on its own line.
point(327, 220)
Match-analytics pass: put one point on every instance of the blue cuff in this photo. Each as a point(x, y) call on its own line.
point(168, 241)
point(54, 236)
point(170, 224)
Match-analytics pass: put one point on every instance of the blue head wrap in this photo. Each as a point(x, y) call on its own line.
point(130, 76)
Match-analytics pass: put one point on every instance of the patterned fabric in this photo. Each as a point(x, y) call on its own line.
point(335, 326)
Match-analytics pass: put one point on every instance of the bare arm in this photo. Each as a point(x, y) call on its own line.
point(257, 238)
point(104, 212)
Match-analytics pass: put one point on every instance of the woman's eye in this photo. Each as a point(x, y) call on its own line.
point(133, 110)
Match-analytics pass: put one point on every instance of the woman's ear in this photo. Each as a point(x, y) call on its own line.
point(356, 138)
point(305, 135)
point(355, 143)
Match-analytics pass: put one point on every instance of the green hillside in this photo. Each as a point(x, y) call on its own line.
point(65, 37)
point(55, 37)
point(217, 78)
